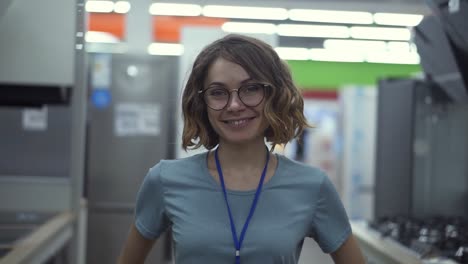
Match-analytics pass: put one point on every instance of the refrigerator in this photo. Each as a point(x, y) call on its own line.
point(422, 151)
point(130, 127)
point(356, 149)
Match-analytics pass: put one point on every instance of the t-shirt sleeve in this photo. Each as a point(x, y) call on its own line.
point(150, 217)
point(331, 226)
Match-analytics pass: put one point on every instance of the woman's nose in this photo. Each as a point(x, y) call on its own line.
point(235, 102)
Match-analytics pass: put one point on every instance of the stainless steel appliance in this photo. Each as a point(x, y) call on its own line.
point(422, 170)
point(422, 151)
point(130, 129)
point(422, 148)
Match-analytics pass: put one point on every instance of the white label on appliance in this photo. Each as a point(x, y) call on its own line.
point(35, 119)
point(132, 119)
point(101, 76)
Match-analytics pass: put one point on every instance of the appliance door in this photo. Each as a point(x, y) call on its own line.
point(440, 168)
point(126, 137)
point(394, 150)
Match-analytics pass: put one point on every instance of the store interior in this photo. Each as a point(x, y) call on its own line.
point(90, 98)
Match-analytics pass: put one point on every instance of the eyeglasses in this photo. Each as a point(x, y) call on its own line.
point(250, 94)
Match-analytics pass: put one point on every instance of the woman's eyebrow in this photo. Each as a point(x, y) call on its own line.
point(247, 80)
point(223, 84)
point(216, 84)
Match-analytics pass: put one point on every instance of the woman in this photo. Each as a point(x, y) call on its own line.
point(239, 202)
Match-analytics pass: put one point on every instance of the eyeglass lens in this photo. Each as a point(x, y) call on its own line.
point(250, 94)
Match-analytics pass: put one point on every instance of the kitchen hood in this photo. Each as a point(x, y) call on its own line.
point(444, 57)
point(37, 50)
point(453, 14)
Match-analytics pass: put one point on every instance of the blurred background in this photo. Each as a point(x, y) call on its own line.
point(90, 99)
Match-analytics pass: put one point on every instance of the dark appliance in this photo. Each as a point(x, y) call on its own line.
point(442, 41)
point(422, 151)
point(452, 14)
point(421, 184)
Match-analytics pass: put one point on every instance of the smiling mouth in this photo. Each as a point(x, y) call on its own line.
point(238, 122)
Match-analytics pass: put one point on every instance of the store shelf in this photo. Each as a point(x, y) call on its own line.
point(384, 250)
point(43, 242)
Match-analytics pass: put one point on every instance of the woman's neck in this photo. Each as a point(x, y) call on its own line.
point(247, 156)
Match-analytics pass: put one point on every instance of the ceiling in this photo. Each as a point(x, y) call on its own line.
point(398, 6)
point(391, 6)
point(140, 7)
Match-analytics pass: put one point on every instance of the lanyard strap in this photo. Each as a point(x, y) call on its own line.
point(238, 243)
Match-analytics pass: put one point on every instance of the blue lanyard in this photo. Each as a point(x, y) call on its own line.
point(238, 243)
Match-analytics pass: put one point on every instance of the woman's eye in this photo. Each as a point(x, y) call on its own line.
point(217, 92)
point(252, 88)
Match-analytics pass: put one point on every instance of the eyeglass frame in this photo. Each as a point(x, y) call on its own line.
point(264, 85)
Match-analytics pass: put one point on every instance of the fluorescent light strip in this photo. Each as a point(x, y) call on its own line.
point(380, 33)
point(289, 53)
point(398, 46)
point(354, 45)
point(329, 16)
point(100, 37)
point(166, 49)
point(122, 7)
point(245, 12)
point(99, 6)
point(240, 27)
point(175, 9)
point(392, 19)
point(393, 57)
point(334, 55)
point(313, 31)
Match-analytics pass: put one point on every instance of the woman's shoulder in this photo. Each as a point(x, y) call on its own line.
point(178, 166)
point(300, 168)
point(300, 176)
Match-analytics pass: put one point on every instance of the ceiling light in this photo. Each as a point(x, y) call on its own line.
point(100, 37)
point(354, 45)
point(333, 55)
point(393, 57)
point(121, 7)
point(398, 46)
point(240, 27)
point(286, 53)
point(175, 9)
point(383, 33)
point(166, 49)
point(245, 12)
point(313, 31)
point(392, 19)
point(99, 6)
point(328, 16)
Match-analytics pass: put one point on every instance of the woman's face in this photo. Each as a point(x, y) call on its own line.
point(236, 123)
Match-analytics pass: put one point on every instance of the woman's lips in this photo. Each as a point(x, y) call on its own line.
point(238, 123)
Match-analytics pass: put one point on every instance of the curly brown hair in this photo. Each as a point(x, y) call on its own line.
point(283, 101)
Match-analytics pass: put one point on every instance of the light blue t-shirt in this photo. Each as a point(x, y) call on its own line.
point(298, 201)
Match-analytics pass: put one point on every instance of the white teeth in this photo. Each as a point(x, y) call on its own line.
point(238, 122)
